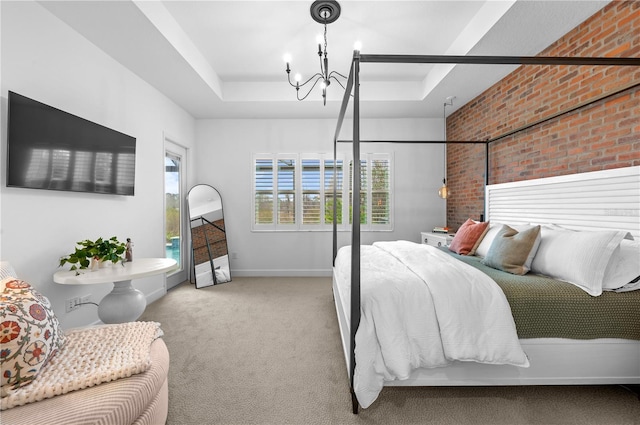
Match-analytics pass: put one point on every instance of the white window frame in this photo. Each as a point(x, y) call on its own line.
point(322, 157)
point(273, 226)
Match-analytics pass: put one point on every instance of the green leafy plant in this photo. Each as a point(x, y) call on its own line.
point(100, 249)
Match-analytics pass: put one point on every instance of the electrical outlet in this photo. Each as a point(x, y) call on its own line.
point(75, 302)
point(72, 304)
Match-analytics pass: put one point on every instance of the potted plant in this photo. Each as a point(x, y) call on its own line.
point(100, 250)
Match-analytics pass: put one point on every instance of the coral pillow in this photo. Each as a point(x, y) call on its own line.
point(30, 334)
point(468, 237)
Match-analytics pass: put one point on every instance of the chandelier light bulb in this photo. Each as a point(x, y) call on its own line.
point(287, 58)
point(357, 46)
point(323, 85)
point(298, 77)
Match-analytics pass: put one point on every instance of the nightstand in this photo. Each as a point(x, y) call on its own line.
point(436, 239)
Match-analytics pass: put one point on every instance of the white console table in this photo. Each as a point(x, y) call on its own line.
point(124, 303)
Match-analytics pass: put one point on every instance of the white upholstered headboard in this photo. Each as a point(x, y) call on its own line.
point(598, 200)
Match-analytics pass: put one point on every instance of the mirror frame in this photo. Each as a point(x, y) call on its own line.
point(220, 270)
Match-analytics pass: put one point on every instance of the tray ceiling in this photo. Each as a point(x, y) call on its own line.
point(223, 59)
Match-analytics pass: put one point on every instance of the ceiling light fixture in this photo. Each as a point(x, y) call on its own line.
point(323, 12)
point(444, 192)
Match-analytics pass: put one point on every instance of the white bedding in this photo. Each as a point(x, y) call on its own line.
point(423, 308)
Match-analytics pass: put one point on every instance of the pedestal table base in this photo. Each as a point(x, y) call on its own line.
point(123, 304)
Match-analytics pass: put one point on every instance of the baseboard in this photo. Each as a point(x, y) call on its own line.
point(155, 295)
point(281, 273)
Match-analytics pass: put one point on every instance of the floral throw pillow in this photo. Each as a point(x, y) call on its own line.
point(30, 334)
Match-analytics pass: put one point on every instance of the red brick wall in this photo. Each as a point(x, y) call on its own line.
point(207, 233)
point(601, 135)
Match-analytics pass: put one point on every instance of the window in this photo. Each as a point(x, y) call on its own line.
point(329, 178)
point(263, 190)
point(311, 192)
point(286, 191)
point(295, 192)
point(380, 190)
point(175, 214)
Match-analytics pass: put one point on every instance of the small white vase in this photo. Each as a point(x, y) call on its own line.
point(95, 264)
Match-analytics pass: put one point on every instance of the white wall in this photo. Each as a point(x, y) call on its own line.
point(44, 59)
point(225, 149)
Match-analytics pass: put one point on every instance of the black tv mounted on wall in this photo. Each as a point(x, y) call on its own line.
point(48, 148)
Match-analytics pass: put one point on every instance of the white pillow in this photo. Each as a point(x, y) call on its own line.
point(624, 265)
point(580, 258)
point(634, 285)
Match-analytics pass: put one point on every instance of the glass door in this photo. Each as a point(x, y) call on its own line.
point(175, 184)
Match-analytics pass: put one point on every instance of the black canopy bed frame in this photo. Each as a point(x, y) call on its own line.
point(352, 93)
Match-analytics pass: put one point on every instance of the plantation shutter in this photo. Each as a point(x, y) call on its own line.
point(380, 191)
point(295, 192)
point(286, 191)
point(329, 178)
point(363, 191)
point(311, 191)
point(263, 191)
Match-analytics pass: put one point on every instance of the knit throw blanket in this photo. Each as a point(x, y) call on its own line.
point(90, 357)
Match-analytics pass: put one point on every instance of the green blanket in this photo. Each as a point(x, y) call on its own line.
point(547, 308)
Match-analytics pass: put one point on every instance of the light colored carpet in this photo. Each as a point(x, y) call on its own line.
point(268, 351)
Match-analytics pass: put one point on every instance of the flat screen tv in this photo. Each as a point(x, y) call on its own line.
point(51, 149)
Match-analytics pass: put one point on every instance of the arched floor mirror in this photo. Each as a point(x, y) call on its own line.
point(210, 254)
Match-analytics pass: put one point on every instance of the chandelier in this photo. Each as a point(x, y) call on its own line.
point(323, 12)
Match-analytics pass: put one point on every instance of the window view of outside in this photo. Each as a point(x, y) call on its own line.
point(303, 191)
point(264, 191)
point(172, 202)
point(329, 177)
point(311, 185)
point(286, 191)
point(380, 192)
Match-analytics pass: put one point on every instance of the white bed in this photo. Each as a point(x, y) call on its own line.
point(588, 201)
